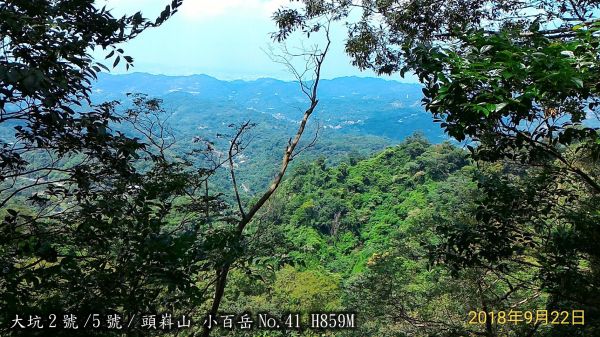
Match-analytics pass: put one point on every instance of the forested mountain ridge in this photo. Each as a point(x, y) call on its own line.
point(206, 86)
point(356, 116)
point(366, 203)
point(339, 227)
point(348, 105)
point(371, 237)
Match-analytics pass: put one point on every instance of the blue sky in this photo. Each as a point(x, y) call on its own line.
point(222, 38)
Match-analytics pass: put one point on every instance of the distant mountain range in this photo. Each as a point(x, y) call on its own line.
point(210, 87)
point(355, 116)
point(350, 105)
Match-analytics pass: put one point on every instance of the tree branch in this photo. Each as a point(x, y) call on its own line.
point(221, 274)
point(234, 145)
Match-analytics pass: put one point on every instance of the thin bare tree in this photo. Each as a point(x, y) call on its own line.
point(314, 59)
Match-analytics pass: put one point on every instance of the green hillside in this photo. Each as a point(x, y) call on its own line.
point(371, 237)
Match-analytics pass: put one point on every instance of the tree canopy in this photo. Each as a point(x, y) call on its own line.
point(517, 82)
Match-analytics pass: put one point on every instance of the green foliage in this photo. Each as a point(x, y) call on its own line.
point(519, 80)
point(521, 100)
point(347, 220)
point(305, 291)
point(407, 233)
point(46, 73)
point(540, 220)
point(123, 247)
point(92, 217)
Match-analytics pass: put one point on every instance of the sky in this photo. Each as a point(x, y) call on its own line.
point(225, 39)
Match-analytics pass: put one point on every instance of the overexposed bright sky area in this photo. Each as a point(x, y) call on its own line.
point(221, 38)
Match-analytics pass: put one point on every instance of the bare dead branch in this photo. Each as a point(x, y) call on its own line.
point(309, 145)
point(235, 146)
point(310, 90)
point(318, 61)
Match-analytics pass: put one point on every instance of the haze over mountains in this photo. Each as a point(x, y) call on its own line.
point(350, 105)
point(355, 117)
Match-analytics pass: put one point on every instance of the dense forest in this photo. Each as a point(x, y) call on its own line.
point(133, 209)
point(385, 237)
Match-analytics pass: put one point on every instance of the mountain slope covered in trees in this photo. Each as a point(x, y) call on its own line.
point(369, 237)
